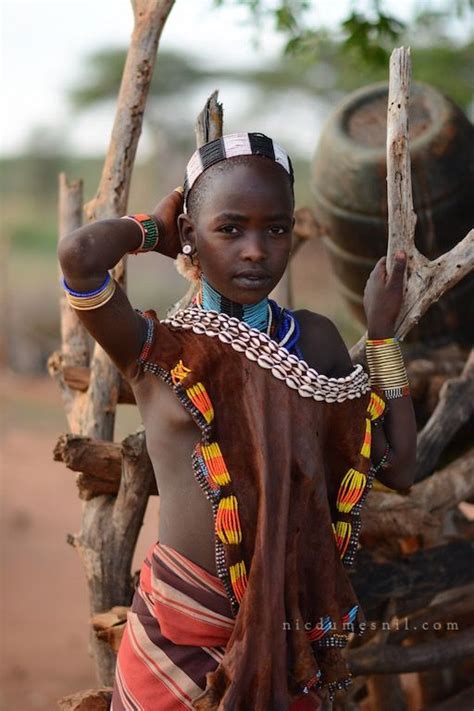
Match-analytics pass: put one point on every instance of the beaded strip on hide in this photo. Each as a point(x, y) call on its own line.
point(258, 347)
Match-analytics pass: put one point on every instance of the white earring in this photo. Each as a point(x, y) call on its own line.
point(187, 248)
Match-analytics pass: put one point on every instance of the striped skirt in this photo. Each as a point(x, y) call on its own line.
point(176, 632)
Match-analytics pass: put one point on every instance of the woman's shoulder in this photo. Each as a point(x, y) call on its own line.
point(322, 345)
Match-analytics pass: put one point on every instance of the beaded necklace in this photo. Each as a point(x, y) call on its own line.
point(278, 323)
point(255, 315)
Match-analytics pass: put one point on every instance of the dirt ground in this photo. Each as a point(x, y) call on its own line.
point(44, 610)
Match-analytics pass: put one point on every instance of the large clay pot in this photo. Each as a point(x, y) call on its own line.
point(349, 186)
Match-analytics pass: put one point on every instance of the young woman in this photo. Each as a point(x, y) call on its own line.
point(262, 438)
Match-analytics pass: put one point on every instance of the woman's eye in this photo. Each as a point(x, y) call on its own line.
point(228, 229)
point(278, 230)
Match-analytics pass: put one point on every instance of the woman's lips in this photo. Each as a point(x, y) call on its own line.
point(251, 280)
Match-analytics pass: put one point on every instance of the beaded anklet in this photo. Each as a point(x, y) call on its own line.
point(89, 300)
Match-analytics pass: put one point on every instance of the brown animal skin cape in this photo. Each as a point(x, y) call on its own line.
point(284, 459)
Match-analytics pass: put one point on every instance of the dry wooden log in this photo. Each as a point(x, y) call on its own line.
point(421, 511)
point(92, 456)
point(90, 700)
point(98, 462)
point(89, 486)
point(455, 407)
point(389, 659)
point(78, 378)
point(409, 580)
point(426, 280)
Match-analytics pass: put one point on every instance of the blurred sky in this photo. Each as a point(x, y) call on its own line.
point(44, 44)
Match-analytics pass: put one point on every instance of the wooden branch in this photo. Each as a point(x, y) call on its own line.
point(98, 461)
point(112, 194)
point(389, 659)
point(398, 515)
point(90, 700)
point(75, 348)
point(409, 579)
point(455, 407)
point(78, 378)
point(83, 454)
point(402, 218)
point(426, 280)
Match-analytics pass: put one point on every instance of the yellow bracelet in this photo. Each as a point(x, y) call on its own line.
point(386, 367)
point(93, 299)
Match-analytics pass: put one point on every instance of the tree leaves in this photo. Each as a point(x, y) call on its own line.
point(368, 35)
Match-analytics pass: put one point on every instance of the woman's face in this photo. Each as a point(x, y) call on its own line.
point(242, 232)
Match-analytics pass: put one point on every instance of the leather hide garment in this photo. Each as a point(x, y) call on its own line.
point(284, 459)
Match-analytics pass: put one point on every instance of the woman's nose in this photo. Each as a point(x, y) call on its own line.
point(254, 247)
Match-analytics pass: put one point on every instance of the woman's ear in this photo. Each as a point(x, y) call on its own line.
point(187, 234)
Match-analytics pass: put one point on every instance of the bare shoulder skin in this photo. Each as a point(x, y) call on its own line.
point(322, 346)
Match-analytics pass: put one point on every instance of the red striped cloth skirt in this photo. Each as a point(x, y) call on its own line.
point(176, 632)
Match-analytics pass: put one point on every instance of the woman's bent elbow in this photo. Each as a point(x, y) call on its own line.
point(74, 253)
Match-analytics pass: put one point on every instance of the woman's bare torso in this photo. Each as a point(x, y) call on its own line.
point(186, 521)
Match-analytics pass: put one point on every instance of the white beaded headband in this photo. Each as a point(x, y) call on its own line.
point(230, 146)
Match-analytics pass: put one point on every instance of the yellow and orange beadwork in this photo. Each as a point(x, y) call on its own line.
point(354, 483)
point(227, 521)
point(179, 372)
point(198, 395)
point(216, 467)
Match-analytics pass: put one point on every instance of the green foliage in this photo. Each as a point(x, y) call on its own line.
point(366, 35)
point(369, 37)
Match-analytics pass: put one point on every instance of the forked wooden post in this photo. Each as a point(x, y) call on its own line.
point(110, 525)
point(426, 280)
